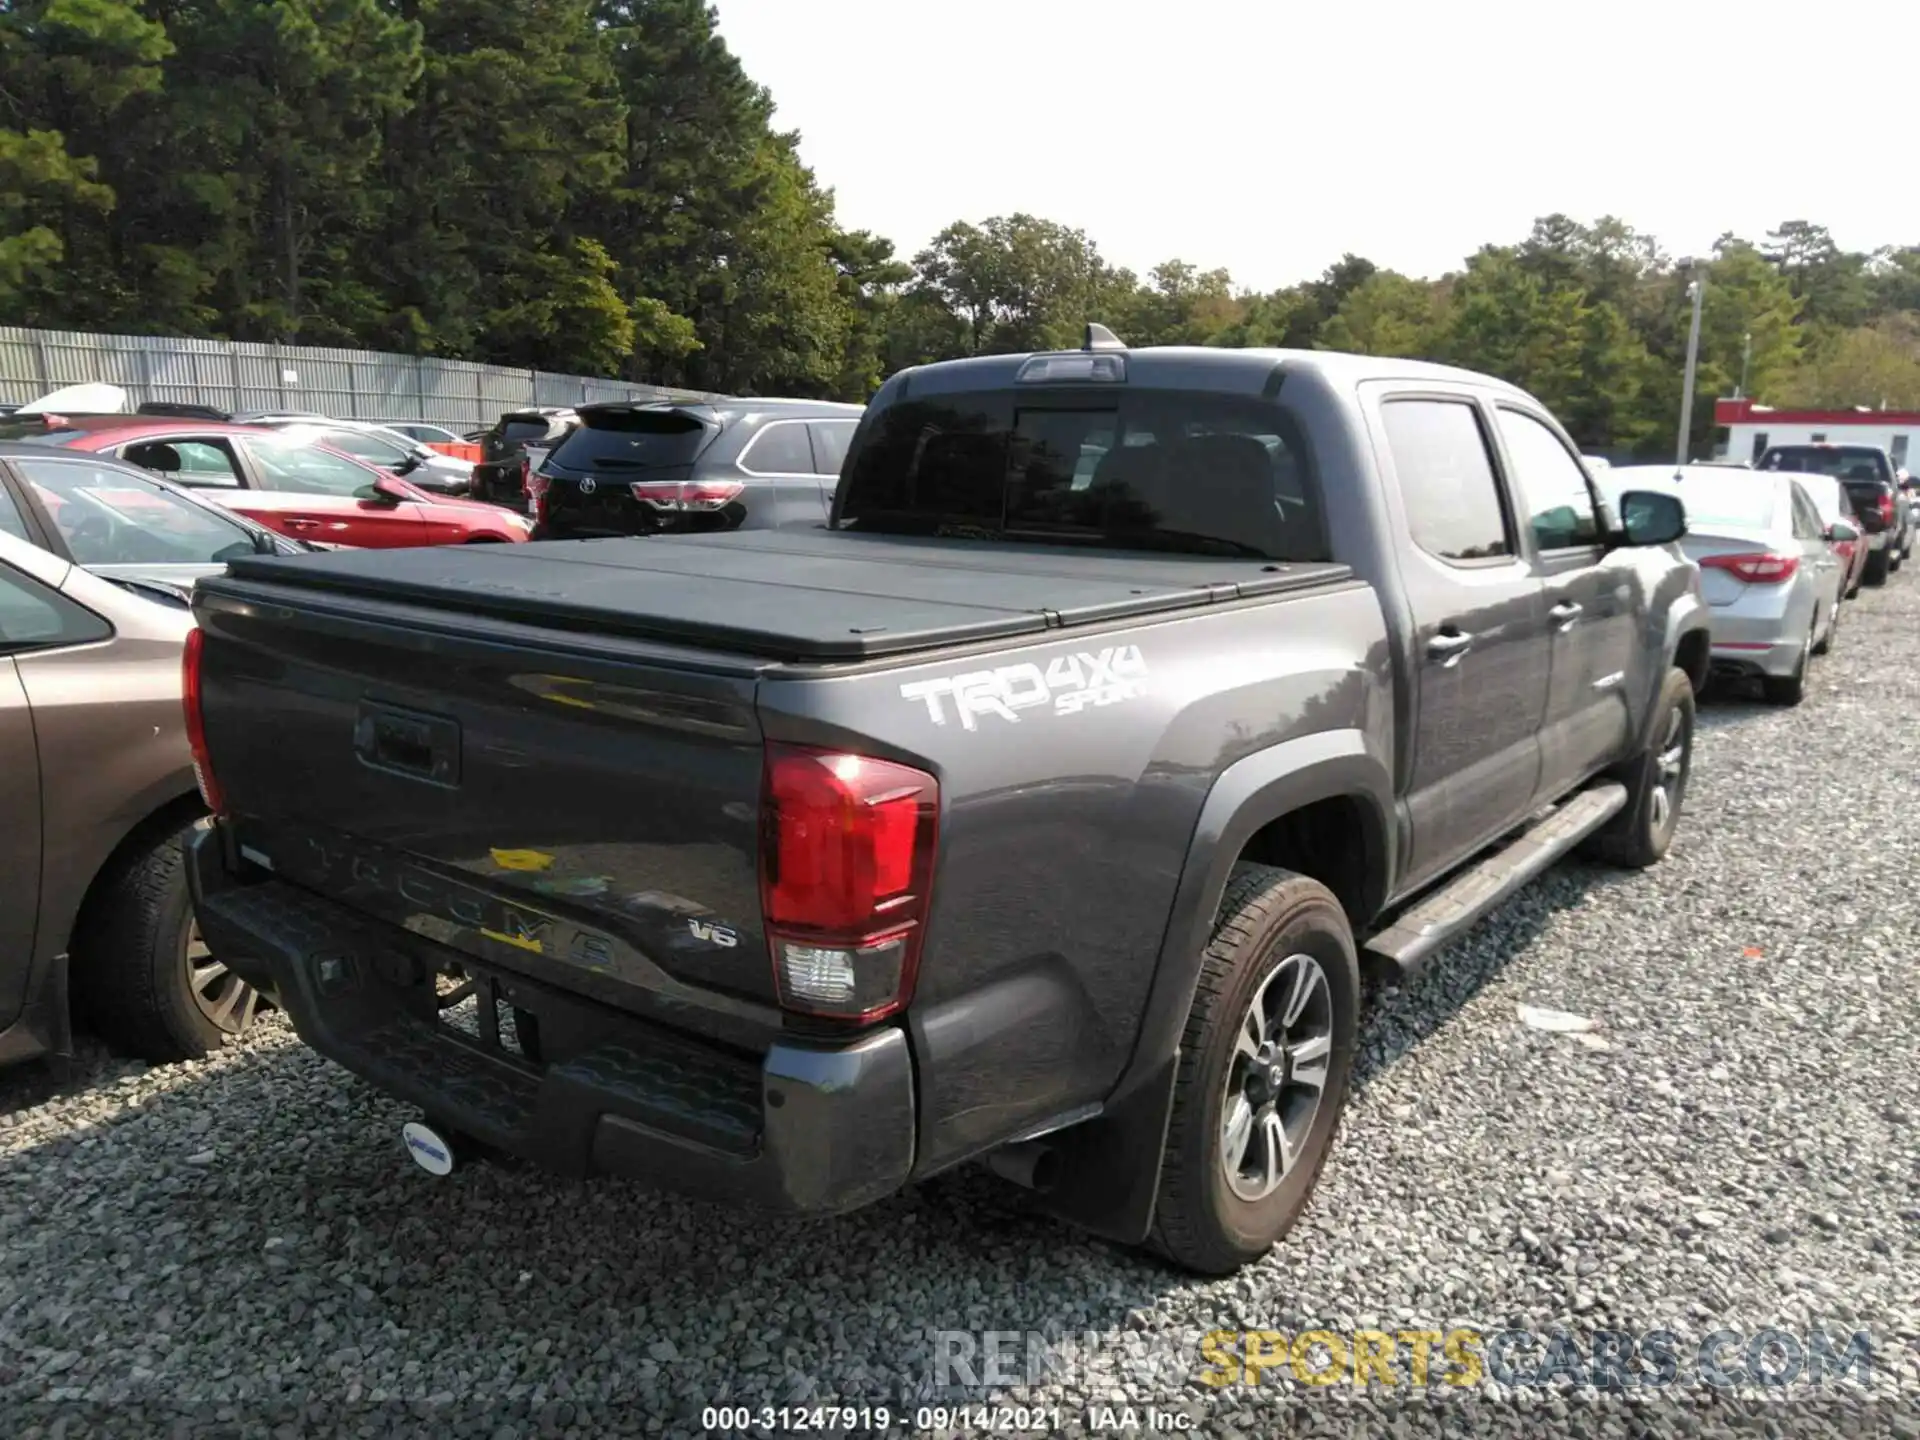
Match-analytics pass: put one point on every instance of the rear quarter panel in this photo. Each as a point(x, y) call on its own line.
point(1066, 824)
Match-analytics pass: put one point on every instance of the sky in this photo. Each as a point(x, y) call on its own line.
point(1271, 136)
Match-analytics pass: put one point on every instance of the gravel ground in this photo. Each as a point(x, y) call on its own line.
point(240, 1245)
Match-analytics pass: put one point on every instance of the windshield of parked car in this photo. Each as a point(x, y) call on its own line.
point(287, 464)
point(1151, 470)
point(109, 517)
point(1846, 462)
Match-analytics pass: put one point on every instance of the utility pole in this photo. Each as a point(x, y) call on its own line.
point(1697, 290)
point(1746, 360)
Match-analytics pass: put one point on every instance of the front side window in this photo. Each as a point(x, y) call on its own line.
point(309, 470)
point(1155, 470)
point(1446, 479)
point(1552, 489)
point(366, 445)
point(108, 517)
point(34, 617)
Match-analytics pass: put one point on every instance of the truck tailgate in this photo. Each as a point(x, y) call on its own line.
point(584, 813)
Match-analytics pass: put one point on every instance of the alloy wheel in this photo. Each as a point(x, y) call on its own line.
point(1670, 771)
point(1282, 1051)
point(228, 1002)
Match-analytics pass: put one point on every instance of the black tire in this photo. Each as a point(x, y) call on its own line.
point(1641, 833)
point(131, 970)
point(1878, 567)
point(1790, 689)
point(1268, 919)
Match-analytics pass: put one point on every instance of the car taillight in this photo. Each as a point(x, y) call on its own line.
point(1886, 509)
point(686, 495)
point(846, 869)
point(535, 486)
point(196, 727)
point(1761, 568)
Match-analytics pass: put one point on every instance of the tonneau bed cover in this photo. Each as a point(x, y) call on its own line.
point(789, 595)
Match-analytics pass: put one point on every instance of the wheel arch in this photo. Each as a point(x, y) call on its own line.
point(175, 813)
point(1275, 806)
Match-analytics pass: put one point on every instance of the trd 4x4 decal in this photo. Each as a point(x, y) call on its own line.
point(1067, 685)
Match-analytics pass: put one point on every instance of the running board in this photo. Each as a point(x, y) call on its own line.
point(1466, 899)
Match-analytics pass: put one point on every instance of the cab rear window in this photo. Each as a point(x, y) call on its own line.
point(1151, 470)
point(1845, 462)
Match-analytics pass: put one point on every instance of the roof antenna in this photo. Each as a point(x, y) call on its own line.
point(1099, 337)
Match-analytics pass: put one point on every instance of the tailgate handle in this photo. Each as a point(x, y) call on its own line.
point(409, 743)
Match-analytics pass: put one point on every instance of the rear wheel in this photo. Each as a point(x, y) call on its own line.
point(1263, 1071)
point(141, 972)
point(1878, 566)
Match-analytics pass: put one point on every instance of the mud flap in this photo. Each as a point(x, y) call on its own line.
point(1108, 1168)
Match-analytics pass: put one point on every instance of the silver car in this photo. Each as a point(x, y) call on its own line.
point(1767, 567)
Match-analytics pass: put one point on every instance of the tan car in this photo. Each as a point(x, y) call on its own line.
point(96, 792)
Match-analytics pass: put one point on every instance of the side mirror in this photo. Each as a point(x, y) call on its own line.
point(390, 492)
point(1651, 517)
point(408, 465)
point(1840, 532)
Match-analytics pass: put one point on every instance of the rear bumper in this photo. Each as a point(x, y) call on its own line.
point(804, 1129)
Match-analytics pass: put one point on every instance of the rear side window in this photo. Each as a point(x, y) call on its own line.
point(368, 447)
point(1446, 479)
point(622, 439)
point(33, 617)
point(830, 441)
point(190, 462)
point(1149, 470)
point(779, 449)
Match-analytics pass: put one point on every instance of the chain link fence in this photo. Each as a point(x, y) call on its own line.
point(346, 384)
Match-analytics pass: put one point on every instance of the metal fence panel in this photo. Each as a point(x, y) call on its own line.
point(243, 376)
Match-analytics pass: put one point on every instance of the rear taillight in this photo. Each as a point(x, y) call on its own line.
point(1760, 568)
point(534, 486)
point(846, 870)
point(1886, 509)
point(526, 478)
point(687, 495)
point(196, 727)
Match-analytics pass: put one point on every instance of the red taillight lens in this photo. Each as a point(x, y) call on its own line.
point(688, 495)
point(846, 870)
point(196, 728)
point(1760, 568)
point(534, 485)
point(1886, 509)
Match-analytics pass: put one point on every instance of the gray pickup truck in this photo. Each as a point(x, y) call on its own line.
point(1044, 807)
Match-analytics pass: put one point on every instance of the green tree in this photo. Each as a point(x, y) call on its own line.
point(1748, 297)
point(514, 126)
point(70, 71)
point(1017, 282)
point(1388, 314)
point(277, 110)
point(1829, 283)
point(1871, 365)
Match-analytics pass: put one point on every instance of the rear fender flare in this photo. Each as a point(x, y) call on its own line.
point(1247, 796)
point(1109, 1167)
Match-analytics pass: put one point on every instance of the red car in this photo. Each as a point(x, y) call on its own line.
point(303, 490)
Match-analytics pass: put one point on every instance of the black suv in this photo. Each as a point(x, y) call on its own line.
point(497, 474)
point(638, 469)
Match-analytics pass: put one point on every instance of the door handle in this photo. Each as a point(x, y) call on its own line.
point(1447, 648)
point(1565, 613)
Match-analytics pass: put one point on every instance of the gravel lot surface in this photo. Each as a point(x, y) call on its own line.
point(1736, 1145)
